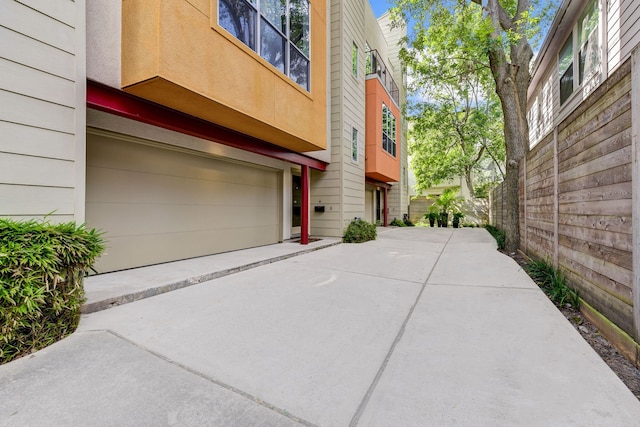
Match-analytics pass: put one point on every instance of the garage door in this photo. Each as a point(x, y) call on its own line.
point(157, 205)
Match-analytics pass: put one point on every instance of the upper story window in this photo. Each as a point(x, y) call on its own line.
point(354, 60)
point(580, 55)
point(278, 30)
point(354, 144)
point(388, 131)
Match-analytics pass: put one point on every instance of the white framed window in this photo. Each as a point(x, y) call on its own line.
point(580, 54)
point(278, 30)
point(354, 60)
point(388, 131)
point(354, 144)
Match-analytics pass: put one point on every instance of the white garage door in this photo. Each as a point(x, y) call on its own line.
point(157, 205)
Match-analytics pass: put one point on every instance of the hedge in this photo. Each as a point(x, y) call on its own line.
point(42, 267)
point(359, 231)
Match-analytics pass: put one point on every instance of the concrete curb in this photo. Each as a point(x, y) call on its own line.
point(107, 303)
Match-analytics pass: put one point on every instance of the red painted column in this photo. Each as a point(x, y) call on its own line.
point(386, 208)
point(304, 217)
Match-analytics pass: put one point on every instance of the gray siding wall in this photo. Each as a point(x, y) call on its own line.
point(42, 118)
point(341, 188)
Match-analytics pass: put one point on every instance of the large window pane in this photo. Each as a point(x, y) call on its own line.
point(298, 68)
point(276, 12)
point(270, 27)
point(354, 144)
point(354, 60)
point(588, 40)
point(272, 45)
point(565, 69)
point(237, 17)
point(566, 84)
point(299, 24)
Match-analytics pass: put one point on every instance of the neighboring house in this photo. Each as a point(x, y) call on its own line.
point(580, 188)
point(183, 128)
point(419, 203)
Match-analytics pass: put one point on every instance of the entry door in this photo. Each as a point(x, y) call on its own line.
point(296, 204)
point(378, 206)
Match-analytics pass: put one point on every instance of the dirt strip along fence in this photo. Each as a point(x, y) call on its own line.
point(576, 200)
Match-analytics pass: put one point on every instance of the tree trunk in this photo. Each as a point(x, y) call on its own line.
point(512, 77)
point(469, 180)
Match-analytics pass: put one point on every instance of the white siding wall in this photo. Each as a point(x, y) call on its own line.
point(353, 30)
point(399, 193)
point(541, 108)
point(42, 113)
point(623, 31)
point(620, 35)
point(341, 188)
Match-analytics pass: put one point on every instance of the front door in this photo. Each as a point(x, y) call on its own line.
point(296, 204)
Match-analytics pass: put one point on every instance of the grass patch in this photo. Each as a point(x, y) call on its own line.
point(497, 234)
point(553, 283)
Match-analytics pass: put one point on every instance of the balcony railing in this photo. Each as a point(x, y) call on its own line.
point(375, 65)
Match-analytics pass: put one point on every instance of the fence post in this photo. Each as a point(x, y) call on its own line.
point(524, 207)
point(556, 201)
point(635, 184)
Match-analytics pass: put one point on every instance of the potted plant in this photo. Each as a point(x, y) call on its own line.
point(432, 215)
point(457, 216)
point(446, 202)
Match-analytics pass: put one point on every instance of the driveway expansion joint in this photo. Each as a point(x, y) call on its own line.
point(365, 400)
point(212, 380)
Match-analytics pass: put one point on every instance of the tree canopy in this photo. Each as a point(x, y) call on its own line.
point(456, 116)
point(504, 39)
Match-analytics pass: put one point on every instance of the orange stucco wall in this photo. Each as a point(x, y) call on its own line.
point(379, 164)
point(174, 53)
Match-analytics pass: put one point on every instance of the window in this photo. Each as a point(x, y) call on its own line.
point(583, 62)
point(588, 41)
point(354, 60)
point(354, 144)
point(565, 69)
point(278, 30)
point(388, 131)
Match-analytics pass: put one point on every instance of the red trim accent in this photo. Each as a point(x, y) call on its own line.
point(114, 101)
point(304, 225)
point(386, 208)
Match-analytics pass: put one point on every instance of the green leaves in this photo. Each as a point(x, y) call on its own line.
point(359, 231)
point(553, 282)
point(41, 270)
point(456, 120)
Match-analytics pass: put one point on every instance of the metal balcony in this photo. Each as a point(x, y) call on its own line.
point(375, 65)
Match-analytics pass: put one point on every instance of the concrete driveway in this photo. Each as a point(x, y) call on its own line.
point(422, 327)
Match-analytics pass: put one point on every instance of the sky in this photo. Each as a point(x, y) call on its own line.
point(379, 6)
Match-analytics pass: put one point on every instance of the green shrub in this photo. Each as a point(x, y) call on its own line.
point(553, 283)
point(396, 222)
point(359, 231)
point(497, 234)
point(408, 222)
point(42, 266)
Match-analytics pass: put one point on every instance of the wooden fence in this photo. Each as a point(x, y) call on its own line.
point(576, 201)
